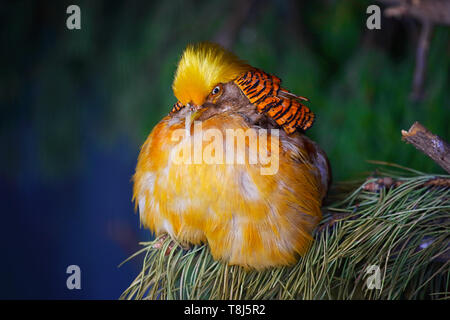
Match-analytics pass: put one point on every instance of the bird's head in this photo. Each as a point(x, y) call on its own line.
point(202, 73)
point(210, 79)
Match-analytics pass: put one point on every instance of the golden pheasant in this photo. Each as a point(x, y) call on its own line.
point(230, 164)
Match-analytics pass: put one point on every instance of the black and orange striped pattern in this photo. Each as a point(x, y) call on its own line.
point(264, 91)
point(284, 107)
point(177, 107)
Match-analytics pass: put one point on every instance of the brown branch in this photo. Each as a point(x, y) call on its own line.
point(421, 60)
point(434, 11)
point(388, 182)
point(428, 13)
point(432, 145)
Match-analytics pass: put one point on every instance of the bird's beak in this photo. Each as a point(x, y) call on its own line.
point(195, 111)
point(193, 114)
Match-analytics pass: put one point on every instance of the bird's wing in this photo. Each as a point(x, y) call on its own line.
point(264, 91)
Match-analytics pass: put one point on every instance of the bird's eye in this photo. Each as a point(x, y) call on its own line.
point(216, 90)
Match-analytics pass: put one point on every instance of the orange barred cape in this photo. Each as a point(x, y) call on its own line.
point(263, 90)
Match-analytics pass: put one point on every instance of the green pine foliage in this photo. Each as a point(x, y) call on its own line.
point(402, 229)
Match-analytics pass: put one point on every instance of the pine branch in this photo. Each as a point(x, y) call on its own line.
point(401, 227)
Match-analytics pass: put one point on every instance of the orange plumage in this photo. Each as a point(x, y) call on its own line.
point(248, 217)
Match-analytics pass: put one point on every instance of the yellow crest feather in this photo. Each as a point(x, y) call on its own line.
point(201, 68)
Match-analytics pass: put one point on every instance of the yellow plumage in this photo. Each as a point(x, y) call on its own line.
point(247, 218)
point(201, 67)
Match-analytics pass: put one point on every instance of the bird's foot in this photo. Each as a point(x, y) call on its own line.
point(160, 243)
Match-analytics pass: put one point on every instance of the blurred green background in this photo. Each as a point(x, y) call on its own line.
point(119, 67)
point(74, 102)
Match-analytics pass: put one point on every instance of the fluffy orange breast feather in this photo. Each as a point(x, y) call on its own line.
point(247, 218)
